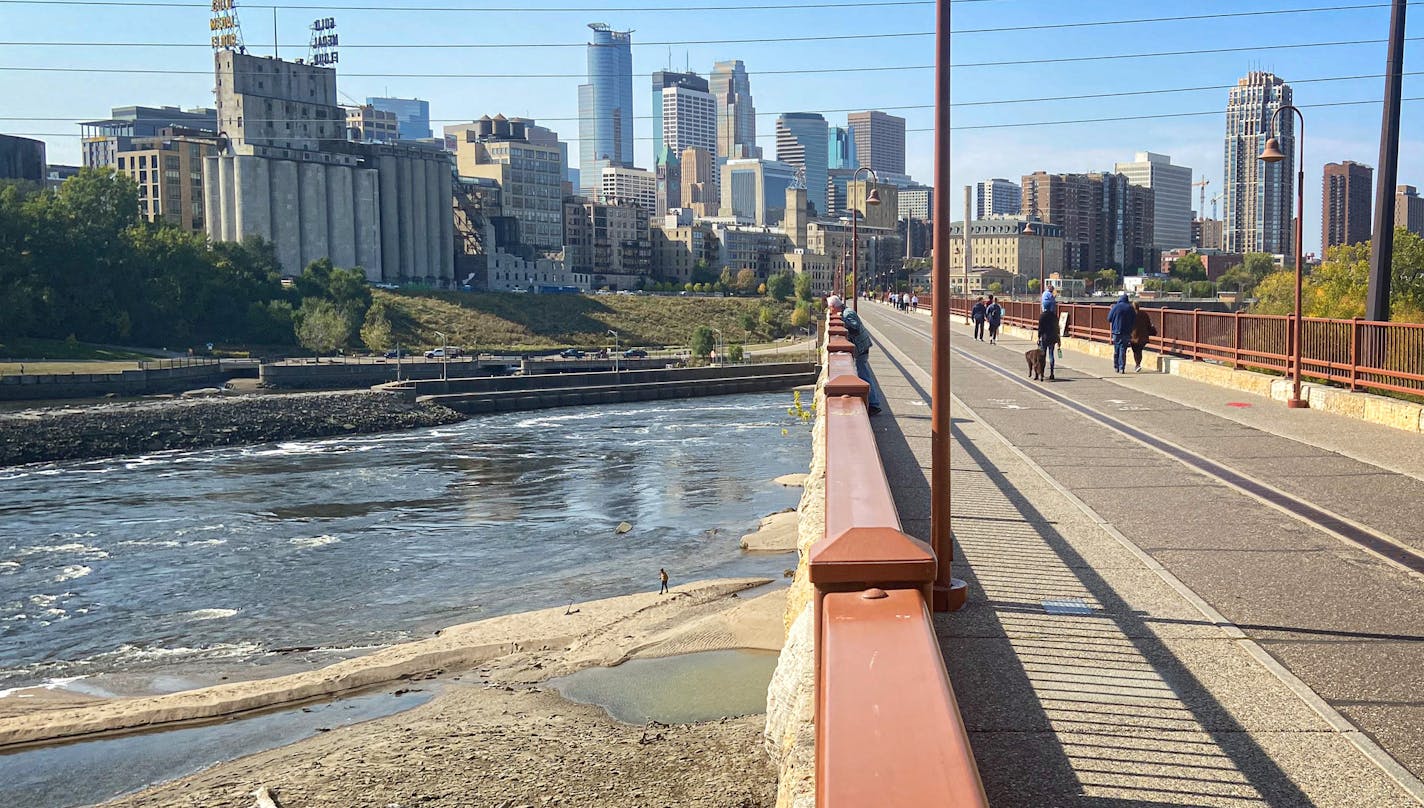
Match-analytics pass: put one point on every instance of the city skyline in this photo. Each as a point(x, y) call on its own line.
point(1338, 132)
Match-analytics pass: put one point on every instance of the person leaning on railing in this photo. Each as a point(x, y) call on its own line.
point(860, 338)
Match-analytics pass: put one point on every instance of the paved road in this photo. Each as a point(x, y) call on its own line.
point(1303, 543)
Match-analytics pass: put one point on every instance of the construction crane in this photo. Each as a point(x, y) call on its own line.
point(1214, 198)
point(1201, 210)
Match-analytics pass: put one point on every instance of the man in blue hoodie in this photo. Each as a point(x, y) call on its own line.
point(1122, 318)
point(860, 338)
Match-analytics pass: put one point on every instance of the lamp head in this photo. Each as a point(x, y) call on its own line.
point(873, 198)
point(1272, 152)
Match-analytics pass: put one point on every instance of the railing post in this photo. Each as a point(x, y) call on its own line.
point(1236, 343)
point(1354, 352)
point(1196, 335)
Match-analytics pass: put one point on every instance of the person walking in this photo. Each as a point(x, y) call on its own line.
point(662, 576)
point(914, 302)
point(978, 313)
point(1122, 317)
point(994, 313)
point(1049, 337)
point(860, 338)
point(1050, 302)
point(1142, 331)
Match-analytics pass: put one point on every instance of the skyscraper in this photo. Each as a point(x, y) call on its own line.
point(1171, 197)
point(842, 148)
point(801, 139)
point(879, 140)
point(998, 197)
point(1409, 209)
point(1346, 204)
point(412, 113)
point(1259, 196)
point(1107, 221)
point(684, 117)
point(606, 106)
point(736, 116)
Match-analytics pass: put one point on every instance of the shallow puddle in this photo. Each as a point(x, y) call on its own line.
point(678, 689)
point(88, 772)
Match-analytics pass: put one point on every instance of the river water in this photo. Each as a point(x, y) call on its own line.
point(243, 560)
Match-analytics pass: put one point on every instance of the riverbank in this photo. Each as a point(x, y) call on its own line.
point(494, 735)
point(94, 431)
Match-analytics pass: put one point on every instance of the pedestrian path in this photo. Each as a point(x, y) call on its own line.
point(1086, 672)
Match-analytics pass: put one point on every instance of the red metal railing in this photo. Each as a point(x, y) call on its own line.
point(1358, 354)
point(888, 730)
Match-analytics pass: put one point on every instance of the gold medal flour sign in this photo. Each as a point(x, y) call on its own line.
point(226, 33)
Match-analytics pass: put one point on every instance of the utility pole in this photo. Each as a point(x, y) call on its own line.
point(1382, 245)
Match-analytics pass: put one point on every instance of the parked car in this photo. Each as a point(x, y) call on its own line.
point(635, 353)
point(398, 353)
point(571, 353)
point(448, 352)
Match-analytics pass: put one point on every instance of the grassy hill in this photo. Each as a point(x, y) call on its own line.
point(527, 321)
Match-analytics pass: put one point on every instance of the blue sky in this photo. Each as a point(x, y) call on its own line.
point(1333, 133)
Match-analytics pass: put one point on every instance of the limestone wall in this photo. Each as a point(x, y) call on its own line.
point(790, 736)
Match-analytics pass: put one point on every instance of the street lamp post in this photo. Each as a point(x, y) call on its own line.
point(872, 197)
point(444, 356)
point(1037, 227)
point(615, 350)
point(1273, 154)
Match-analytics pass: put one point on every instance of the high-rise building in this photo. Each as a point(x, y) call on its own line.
point(684, 117)
point(1259, 196)
point(530, 176)
point(699, 192)
point(102, 140)
point(22, 158)
point(1409, 209)
point(629, 186)
point(736, 116)
point(801, 139)
point(609, 243)
point(1106, 221)
point(412, 113)
point(1171, 197)
point(879, 140)
point(917, 202)
point(997, 197)
point(606, 106)
point(168, 170)
point(366, 124)
point(290, 176)
point(754, 190)
point(841, 143)
point(1346, 201)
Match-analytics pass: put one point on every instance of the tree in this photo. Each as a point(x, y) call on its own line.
point(1189, 268)
point(803, 286)
point(770, 322)
point(746, 280)
point(1106, 279)
point(702, 272)
point(376, 332)
point(1237, 279)
point(727, 279)
point(1033, 286)
point(688, 287)
point(702, 341)
point(1201, 289)
point(780, 286)
point(801, 315)
point(735, 353)
point(996, 287)
point(761, 290)
point(322, 327)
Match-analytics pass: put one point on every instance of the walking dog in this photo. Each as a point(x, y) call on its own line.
point(1036, 361)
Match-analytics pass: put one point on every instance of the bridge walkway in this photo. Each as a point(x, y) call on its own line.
point(1210, 610)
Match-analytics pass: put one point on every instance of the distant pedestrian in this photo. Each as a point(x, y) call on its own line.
point(1142, 331)
point(860, 339)
point(914, 302)
point(1122, 317)
point(662, 576)
point(1049, 337)
point(1050, 302)
point(994, 313)
point(978, 313)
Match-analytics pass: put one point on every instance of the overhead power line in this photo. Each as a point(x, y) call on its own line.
point(1016, 125)
point(882, 108)
point(491, 9)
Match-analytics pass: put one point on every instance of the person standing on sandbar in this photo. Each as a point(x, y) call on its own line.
point(662, 576)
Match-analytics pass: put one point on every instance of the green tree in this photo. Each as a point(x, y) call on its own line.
point(322, 327)
point(769, 321)
point(735, 353)
point(1189, 268)
point(780, 286)
point(1201, 289)
point(727, 279)
point(1033, 286)
point(803, 286)
point(688, 287)
point(702, 272)
point(995, 287)
point(376, 331)
point(1237, 279)
point(1259, 265)
point(1106, 279)
point(801, 315)
point(702, 341)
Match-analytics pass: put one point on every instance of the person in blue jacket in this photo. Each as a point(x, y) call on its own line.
point(994, 313)
point(978, 314)
point(860, 338)
point(1050, 303)
point(1122, 318)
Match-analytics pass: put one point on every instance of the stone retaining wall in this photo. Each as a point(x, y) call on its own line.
point(54, 386)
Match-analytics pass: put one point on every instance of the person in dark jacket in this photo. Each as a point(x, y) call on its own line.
point(1122, 318)
point(860, 338)
point(1049, 336)
point(1142, 331)
point(978, 313)
point(994, 313)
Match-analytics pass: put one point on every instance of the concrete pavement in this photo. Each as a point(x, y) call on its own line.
point(1140, 633)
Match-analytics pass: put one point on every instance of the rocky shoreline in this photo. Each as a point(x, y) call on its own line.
point(106, 430)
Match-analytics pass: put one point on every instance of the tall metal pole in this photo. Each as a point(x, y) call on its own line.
point(1382, 245)
point(968, 240)
point(1296, 402)
point(948, 593)
point(855, 260)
